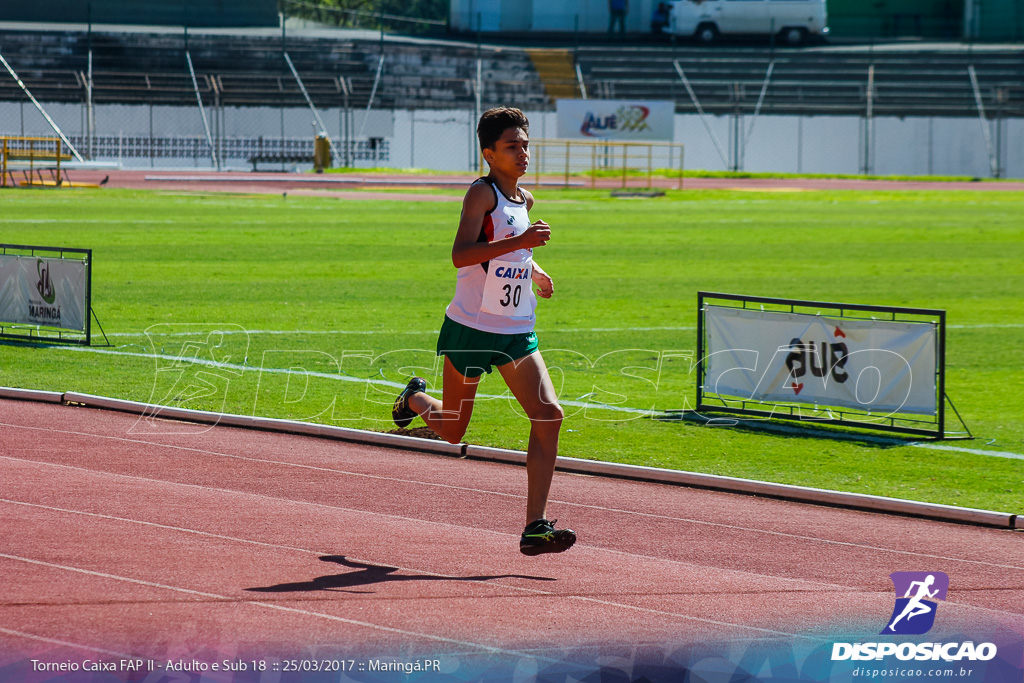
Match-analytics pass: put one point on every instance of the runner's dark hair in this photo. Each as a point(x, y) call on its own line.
point(496, 121)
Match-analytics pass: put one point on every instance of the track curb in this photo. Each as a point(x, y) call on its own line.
point(800, 494)
point(152, 411)
point(32, 395)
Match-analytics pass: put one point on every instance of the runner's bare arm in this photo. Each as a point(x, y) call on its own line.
point(544, 281)
point(467, 251)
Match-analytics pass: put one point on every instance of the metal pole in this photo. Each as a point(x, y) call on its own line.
point(650, 164)
point(567, 145)
point(993, 164)
point(345, 122)
point(942, 375)
point(800, 143)
point(42, 111)
point(579, 79)
point(309, 100)
point(479, 87)
point(869, 120)
point(90, 121)
point(931, 145)
point(703, 117)
point(536, 166)
point(284, 50)
point(1001, 96)
point(737, 128)
point(625, 154)
point(202, 111)
point(682, 151)
point(760, 101)
point(412, 138)
point(373, 93)
point(90, 115)
point(593, 165)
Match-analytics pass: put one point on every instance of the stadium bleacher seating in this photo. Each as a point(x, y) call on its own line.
point(248, 70)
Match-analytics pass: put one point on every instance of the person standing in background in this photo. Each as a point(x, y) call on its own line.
point(617, 10)
point(659, 19)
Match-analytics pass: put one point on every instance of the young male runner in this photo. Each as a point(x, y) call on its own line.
point(491, 318)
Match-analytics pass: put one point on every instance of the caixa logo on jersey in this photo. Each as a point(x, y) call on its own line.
point(917, 603)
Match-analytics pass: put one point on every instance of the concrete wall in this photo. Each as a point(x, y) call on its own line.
point(444, 139)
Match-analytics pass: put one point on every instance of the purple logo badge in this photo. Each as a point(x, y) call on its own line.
point(916, 601)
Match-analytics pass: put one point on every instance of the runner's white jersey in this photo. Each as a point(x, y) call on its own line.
point(507, 279)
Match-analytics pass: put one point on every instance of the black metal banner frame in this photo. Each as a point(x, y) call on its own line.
point(44, 333)
point(910, 425)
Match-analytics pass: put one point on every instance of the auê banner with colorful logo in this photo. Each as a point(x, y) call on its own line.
point(50, 292)
point(616, 120)
point(880, 366)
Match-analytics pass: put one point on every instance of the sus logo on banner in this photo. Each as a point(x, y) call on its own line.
point(871, 365)
point(45, 286)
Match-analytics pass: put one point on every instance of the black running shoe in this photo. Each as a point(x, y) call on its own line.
point(541, 537)
point(402, 413)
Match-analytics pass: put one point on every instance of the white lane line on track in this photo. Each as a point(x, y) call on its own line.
point(258, 603)
point(267, 605)
point(495, 584)
point(741, 572)
point(467, 489)
point(738, 572)
point(66, 643)
point(573, 404)
point(815, 585)
point(400, 518)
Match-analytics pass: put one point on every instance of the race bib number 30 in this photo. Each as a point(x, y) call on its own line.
point(508, 289)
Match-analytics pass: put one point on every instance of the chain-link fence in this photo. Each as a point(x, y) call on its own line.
point(259, 98)
point(145, 136)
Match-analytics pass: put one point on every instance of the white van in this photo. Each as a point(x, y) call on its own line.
point(794, 21)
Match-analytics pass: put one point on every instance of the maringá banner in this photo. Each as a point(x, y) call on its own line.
point(43, 291)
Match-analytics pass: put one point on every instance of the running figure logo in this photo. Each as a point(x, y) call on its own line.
point(45, 285)
point(916, 595)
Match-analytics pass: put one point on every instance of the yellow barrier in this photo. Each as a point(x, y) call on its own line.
point(592, 157)
point(31, 155)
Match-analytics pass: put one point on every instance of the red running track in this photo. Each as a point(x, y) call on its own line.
point(205, 540)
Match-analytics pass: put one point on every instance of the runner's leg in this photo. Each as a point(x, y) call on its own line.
point(449, 417)
point(528, 379)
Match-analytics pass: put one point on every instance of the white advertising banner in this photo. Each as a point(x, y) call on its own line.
point(43, 291)
point(874, 365)
point(616, 120)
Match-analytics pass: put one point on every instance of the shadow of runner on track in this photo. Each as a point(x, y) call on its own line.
point(371, 574)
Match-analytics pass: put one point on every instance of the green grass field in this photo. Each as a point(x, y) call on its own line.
point(319, 295)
